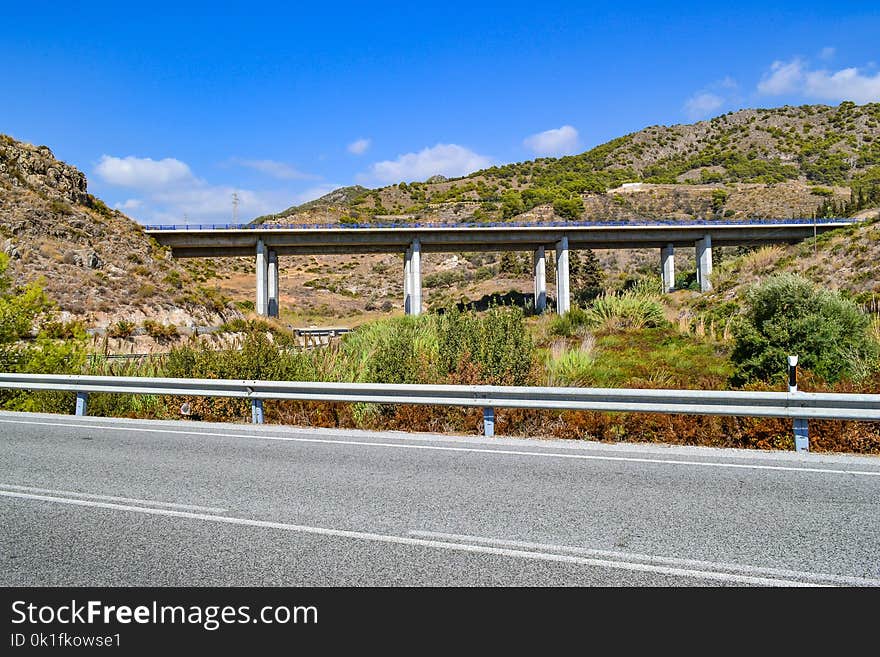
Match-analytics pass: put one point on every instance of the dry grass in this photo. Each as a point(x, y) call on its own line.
point(763, 260)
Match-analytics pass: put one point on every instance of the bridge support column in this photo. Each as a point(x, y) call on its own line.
point(262, 302)
point(540, 269)
point(667, 267)
point(563, 296)
point(407, 276)
point(412, 279)
point(273, 284)
point(704, 263)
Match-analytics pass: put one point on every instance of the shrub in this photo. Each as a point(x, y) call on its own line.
point(58, 206)
point(71, 330)
point(121, 329)
point(686, 280)
point(788, 314)
point(397, 350)
point(568, 324)
point(159, 331)
point(496, 343)
point(173, 279)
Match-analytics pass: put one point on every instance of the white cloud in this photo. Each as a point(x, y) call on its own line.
point(312, 193)
point(703, 104)
point(711, 98)
point(142, 172)
point(280, 170)
point(846, 84)
point(827, 52)
point(449, 160)
point(795, 78)
point(783, 78)
point(558, 141)
point(359, 146)
point(171, 193)
point(130, 204)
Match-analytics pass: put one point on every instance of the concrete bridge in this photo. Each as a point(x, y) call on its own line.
point(267, 243)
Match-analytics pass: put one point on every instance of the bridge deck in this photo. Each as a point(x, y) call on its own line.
point(216, 241)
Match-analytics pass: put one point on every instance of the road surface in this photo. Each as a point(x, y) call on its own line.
point(108, 502)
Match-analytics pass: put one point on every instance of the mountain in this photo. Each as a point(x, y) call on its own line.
point(95, 262)
point(782, 162)
point(790, 161)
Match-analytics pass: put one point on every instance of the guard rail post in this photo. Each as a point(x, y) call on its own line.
point(801, 426)
point(489, 421)
point(256, 411)
point(81, 403)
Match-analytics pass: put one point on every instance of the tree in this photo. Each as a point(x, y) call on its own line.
point(788, 314)
point(568, 207)
point(585, 276)
point(511, 204)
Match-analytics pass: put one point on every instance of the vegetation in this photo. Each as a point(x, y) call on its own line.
point(31, 341)
point(121, 329)
point(790, 315)
point(826, 146)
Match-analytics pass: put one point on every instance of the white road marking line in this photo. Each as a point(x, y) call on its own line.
point(503, 452)
point(420, 542)
point(635, 557)
point(113, 498)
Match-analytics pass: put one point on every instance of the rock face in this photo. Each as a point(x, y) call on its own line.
point(94, 262)
point(35, 167)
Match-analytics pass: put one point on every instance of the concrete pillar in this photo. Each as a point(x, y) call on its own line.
point(415, 277)
point(667, 267)
point(540, 269)
point(563, 295)
point(262, 303)
point(273, 284)
point(704, 263)
point(407, 281)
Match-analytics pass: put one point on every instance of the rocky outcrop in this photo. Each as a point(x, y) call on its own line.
point(95, 263)
point(36, 167)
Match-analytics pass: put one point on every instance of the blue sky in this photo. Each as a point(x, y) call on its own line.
point(169, 108)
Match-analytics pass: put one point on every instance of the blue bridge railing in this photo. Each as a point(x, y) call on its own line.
point(503, 224)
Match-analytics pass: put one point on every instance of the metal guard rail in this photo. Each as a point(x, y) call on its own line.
point(808, 405)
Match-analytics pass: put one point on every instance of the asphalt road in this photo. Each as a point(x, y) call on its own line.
point(93, 501)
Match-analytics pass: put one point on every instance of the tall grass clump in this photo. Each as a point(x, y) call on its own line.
point(628, 310)
point(787, 314)
point(762, 260)
point(572, 367)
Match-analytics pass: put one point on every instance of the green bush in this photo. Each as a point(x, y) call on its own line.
point(397, 350)
point(788, 314)
point(121, 329)
point(159, 331)
point(72, 330)
point(568, 324)
point(56, 349)
point(496, 343)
